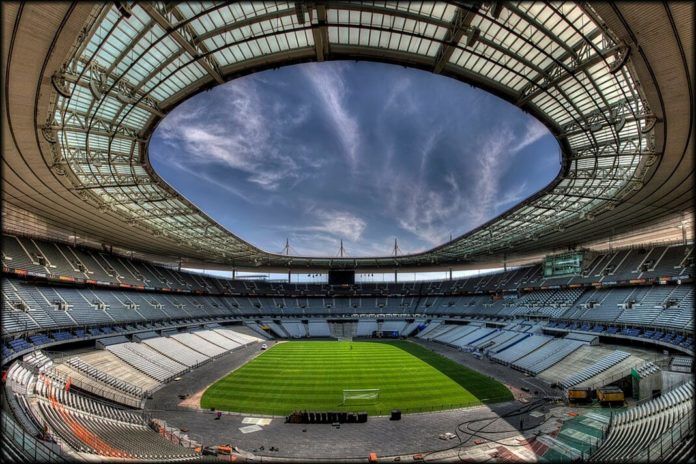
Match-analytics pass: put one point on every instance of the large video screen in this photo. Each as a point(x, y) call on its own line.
point(565, 264)
point(341, 277)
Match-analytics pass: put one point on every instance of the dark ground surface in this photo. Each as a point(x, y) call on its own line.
point(413, 433)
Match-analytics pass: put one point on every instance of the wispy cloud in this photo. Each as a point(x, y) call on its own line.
point(329, 85)
point(356, 151)
point(534, 130)
point(511, 197)
point(400, 96)
point(497, 150)
point(249, 147)
point(336, 223)
point(419, 207)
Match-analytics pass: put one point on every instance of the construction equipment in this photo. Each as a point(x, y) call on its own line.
point(579, 395)
point(610, 396)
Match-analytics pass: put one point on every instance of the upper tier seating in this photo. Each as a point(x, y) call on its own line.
point(62, 259)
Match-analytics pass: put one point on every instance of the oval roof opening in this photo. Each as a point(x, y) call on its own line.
point(361, 152)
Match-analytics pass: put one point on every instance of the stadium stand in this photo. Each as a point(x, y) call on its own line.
point(276, 329)
point(682, 364)
point(147, 360)
point(199, 344)
point(551, 342)
point(216, 339)
point(674, 265)
point(366, 327)
point(106, 361)
point(237, 334)
point(599, 366)
point(318, 328)
point(521, 349)
point(94, 429)
point(436, 330)
point(393, 326)
point(546, 356)
point(94, 241)
point(632, 432)
point(295, 329)
point(172, 348)
point(412, 327)
point(451, 336)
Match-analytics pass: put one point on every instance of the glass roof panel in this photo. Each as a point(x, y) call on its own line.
point(530, 38)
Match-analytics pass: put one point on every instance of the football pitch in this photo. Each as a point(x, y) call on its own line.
point(311, 375)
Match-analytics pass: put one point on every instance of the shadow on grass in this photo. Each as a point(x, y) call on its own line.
point(484, 388)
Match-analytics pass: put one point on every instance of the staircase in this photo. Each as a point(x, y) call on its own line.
point(342, 329)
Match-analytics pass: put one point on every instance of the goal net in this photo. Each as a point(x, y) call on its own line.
point(369, 395)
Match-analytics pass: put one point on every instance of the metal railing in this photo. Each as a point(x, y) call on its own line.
point(672, 387)
point(32, 449)
point(661, 363)
point(661, 448)
point(175, 435)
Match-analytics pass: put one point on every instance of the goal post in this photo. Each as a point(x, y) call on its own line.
point(361, 396)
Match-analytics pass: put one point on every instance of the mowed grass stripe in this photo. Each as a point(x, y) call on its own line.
point(313, 374)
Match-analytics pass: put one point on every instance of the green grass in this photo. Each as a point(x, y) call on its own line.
point(311, 375)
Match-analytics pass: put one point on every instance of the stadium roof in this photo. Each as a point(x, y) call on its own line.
point(86, 85)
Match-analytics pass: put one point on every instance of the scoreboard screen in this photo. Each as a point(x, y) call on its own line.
point(341, 277)
point(565, 264)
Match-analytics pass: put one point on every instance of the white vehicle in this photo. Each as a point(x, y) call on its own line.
point(264, 346)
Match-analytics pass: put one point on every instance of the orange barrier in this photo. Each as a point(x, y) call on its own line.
point(80, 431)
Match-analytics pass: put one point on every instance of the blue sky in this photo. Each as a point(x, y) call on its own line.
point(358, 151)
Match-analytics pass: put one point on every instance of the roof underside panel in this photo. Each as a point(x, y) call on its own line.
point(553, 60)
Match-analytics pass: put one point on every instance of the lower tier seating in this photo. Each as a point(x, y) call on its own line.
point(634, 430)
point(601, 365)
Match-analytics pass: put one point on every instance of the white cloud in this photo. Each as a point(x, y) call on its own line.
point(321, 244)
point(496, 153)
point(241, 137)
point(511, 197)
point(417, 206)
point(420, 168)
point(329, 85)
point(341, 224)
point(533, 132)
point(400, 97)
point(433, 212)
